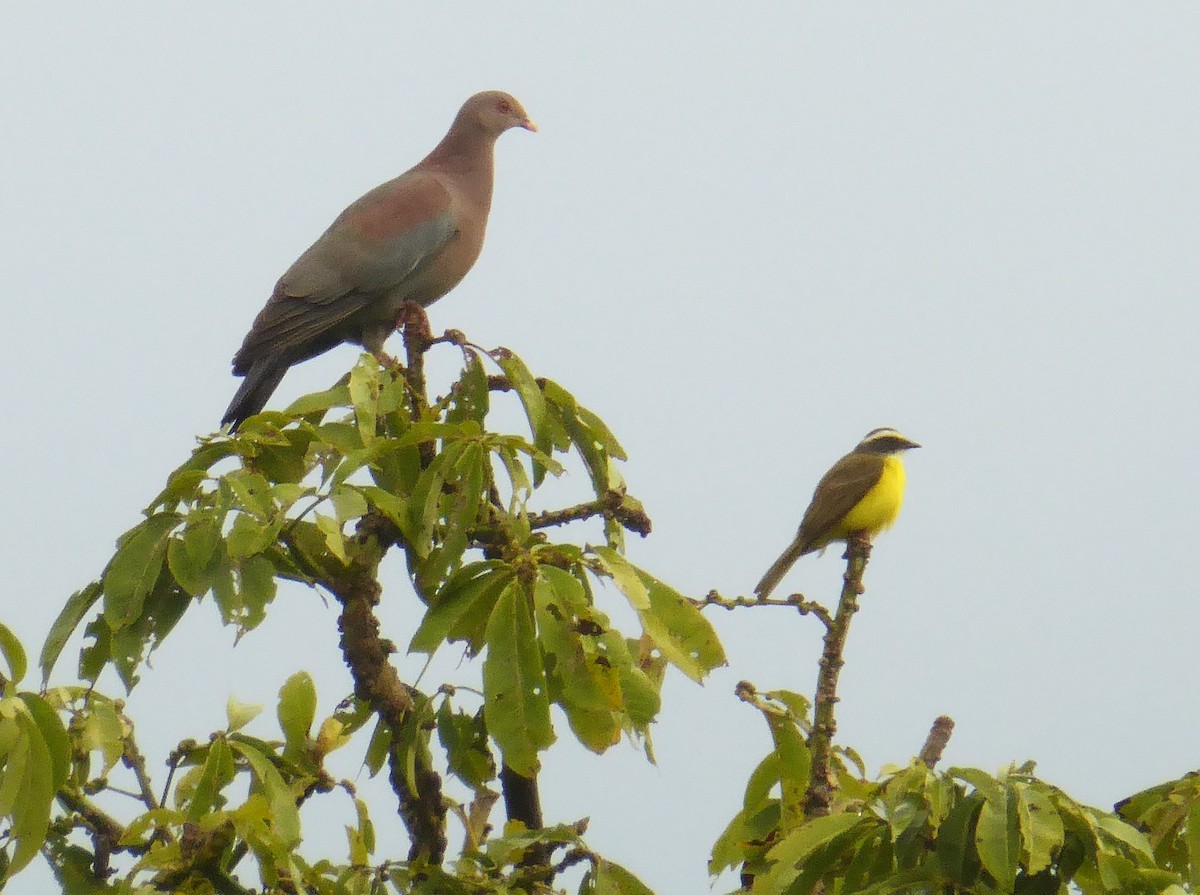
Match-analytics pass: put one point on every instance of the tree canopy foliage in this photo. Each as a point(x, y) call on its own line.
point(319, 494)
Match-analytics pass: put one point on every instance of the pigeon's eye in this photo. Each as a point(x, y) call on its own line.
point(504, 106)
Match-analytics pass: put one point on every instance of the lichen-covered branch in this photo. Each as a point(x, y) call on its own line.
point(422, 808)
point(822, 783)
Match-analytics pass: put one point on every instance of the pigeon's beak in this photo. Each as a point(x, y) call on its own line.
point(529, 125)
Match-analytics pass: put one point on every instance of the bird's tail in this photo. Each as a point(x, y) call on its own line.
point(779, 568)
point(252, 395)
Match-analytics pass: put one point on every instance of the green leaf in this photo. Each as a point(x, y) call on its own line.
point(997, 839)
point(516, 702)
point(676, 627)
point(342, 437)
point(592, 439)
point(296, 711)
point(183, 483)
point(335, 541)
point(30, 806)
point(464, 737)
point(132, 573)
point(607, 878)
point(527, 389)
point(588, 678)
point(14, 731)
point(470, 399)
point(1192, 839)
point(640, 686)
point(361, 839)
point(365, 386)
point(251, 492)
point(907, 882)
point(681, 631)
point(1041, 827)
point(103, 731)
point(377, 748)
point(602, 433)
point(338, 396)
point(14, 654)
point(248, 535)
point(54, 735)
point(872, 859)
point(730, 848)
point(286, 463)
point(348, 503)
point(790, 851)
point(191, 556)
point(1132, 837)
point(463, 494)
point(954, 850)
point(460, 610)
point(795, 765)
point(257, 588)
point(77, 606)
point(426, 504)
point(217, 774)
point(626, 577)
point(284, 815)
point(762, 780)
point(393, 507)
point(239, 714)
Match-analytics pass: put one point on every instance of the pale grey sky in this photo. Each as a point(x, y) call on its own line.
point(745, 236)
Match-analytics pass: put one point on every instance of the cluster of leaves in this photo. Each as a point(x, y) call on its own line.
point(35, 755)
point(318, 494)
point(1169, 814)
point(916, 830)
point(239, 795)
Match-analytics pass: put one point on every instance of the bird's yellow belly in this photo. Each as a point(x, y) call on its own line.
point(880, 506)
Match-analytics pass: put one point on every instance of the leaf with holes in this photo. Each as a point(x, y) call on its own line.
point(134, 569)
point(516, 704)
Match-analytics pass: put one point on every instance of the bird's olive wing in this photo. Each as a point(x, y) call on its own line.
point(840, 489)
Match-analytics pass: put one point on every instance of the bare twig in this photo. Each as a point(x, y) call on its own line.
point(795, 601)
point(132, 758)
point(935, 743)
point(822, 783)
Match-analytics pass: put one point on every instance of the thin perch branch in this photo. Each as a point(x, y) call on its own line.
point(795, 601)
point(822, 783)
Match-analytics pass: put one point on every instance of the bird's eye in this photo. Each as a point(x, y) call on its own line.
point(504, 106)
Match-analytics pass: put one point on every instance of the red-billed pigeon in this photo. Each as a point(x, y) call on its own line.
point(410, 239)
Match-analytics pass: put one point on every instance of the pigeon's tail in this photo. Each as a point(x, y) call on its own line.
point(252, 395)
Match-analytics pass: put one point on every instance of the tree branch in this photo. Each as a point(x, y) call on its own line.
point(418, 338)
point(612, 505)
point(132, 758)
point(521, 798)
point(105, 830)
point(795, 601)
point(935, 743)
point(375, 680)
point(822, 782)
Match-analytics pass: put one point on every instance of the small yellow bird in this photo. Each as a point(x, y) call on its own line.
point(861, 494)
